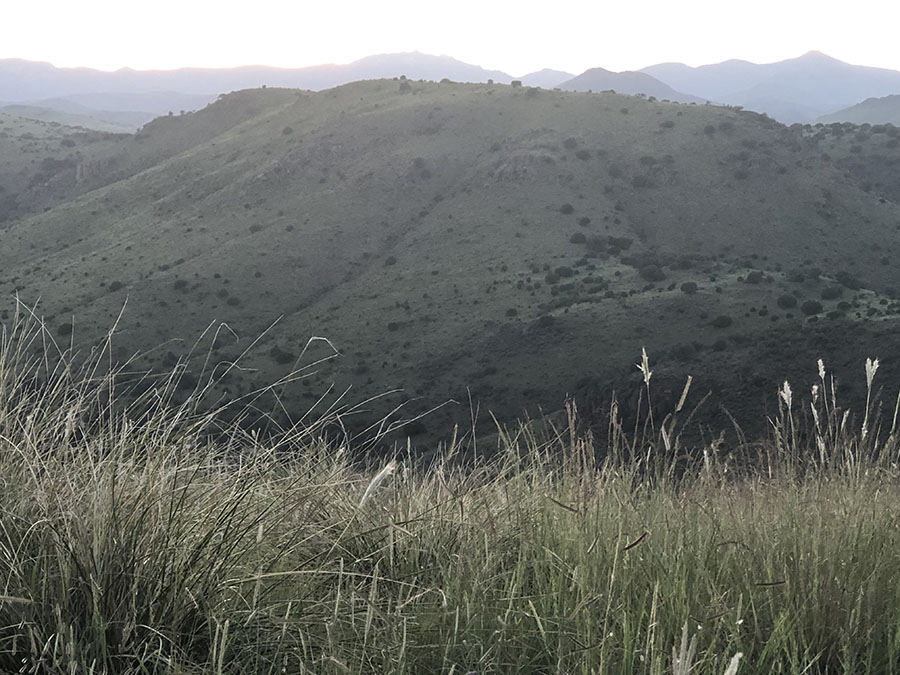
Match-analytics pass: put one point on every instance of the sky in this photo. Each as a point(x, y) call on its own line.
point(511, 36)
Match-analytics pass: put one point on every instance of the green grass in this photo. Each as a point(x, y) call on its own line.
point(150, 537)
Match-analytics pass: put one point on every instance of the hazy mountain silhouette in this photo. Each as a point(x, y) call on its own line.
point(628, 82)
point(546, 78)
point(26, 81)
point(885, 110)
point(794, 90)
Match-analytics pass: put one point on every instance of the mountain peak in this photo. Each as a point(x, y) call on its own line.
point(815, 55)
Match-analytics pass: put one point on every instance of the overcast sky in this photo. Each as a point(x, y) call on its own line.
point(510, 36)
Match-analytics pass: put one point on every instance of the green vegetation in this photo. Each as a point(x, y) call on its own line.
point(143, 536)
point(405, 226)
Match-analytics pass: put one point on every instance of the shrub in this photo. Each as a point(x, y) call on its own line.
point(689, 287)
point(786, 301)
point(287, 131)
point(570, 143)
point(115, 286)
point(754, 277)
point(832, 292)
point(578, 238)
point(810, 307)
point(722, 321)
point(566, 209)
point(583, 154)
point(709, 130)
point(180, 284)
point(516, 83)
point(623, 243)
point(584, 221)
point(652, 273)
point(668, 124)
point(281, 356)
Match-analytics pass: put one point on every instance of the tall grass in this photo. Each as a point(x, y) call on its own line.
point(135, 540)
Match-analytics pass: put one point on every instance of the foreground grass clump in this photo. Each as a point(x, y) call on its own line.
point(172, 545)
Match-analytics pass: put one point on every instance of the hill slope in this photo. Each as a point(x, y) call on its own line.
point(599, 79)
point(885, 110)
point(509, 244)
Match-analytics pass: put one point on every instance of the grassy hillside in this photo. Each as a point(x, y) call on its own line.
point(70, 119)
point(42, 163)
point(146, 548)
point(508, 245)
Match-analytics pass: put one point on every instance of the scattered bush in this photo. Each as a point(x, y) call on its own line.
point(754, 277)
point(281, 356)
point(623, 243)
point(652, 273)
point(810, 307)
point(786, 301)
point(832, 292)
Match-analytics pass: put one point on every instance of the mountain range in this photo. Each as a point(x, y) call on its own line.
point(795, 90)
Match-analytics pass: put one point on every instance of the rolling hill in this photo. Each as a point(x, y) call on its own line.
point(885, 110)
point(470, 242)
point(629, 82)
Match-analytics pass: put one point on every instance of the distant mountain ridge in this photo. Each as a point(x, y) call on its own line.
point(628, 82)
point(793, 90)
point(26, 81)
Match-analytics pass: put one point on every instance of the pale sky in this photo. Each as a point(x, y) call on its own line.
point(515, 37)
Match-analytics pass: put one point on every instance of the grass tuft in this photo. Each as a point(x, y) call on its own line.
point(149, 537)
